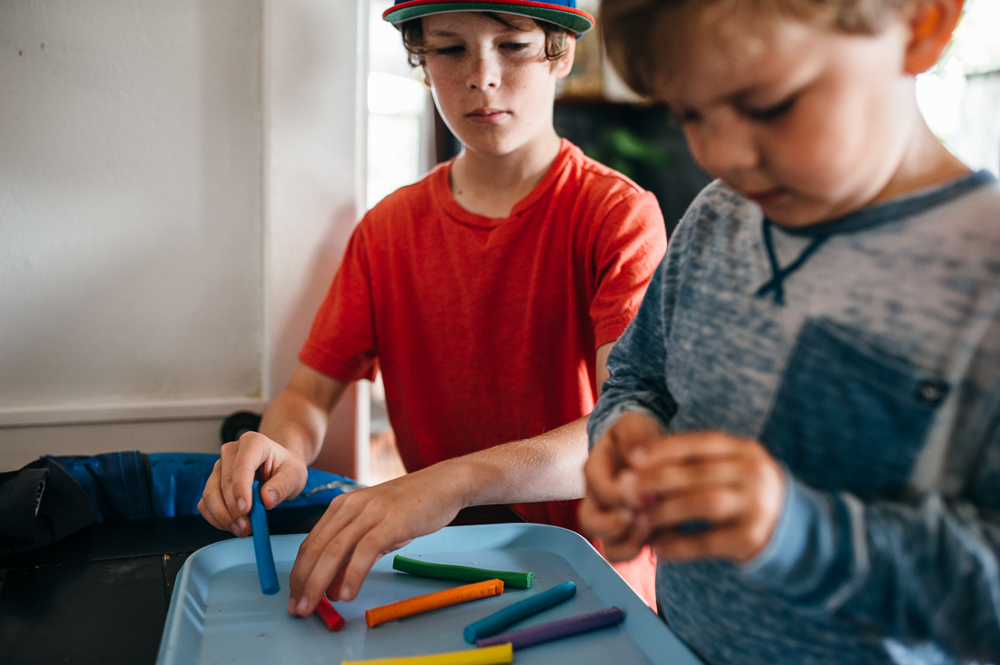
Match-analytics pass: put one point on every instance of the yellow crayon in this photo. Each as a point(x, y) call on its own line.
point(497, 655)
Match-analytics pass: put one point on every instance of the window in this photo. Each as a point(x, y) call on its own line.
point(400, 151)
point(960, 96)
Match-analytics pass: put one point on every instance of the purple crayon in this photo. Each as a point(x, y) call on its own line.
point(556, 629)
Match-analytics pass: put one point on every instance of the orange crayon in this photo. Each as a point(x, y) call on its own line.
point(432, 601)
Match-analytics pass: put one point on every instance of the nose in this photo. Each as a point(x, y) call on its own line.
point(723, 143)
point(484, 72)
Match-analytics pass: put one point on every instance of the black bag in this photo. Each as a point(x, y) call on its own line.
point(40, 503)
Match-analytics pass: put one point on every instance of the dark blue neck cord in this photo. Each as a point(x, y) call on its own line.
point(776, 283)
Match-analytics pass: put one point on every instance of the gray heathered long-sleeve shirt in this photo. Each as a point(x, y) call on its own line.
point(864, 353)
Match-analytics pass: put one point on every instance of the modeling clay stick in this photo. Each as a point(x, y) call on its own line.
point(262, 545)
point(556, 629)
point(489, 656)
point(330, 616)
point(497, 621)
point(432, 601)
point(443, 571)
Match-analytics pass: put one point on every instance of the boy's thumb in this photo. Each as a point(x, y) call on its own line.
point(277, 489)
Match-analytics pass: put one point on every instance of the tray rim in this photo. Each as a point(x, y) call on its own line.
point(565, 543)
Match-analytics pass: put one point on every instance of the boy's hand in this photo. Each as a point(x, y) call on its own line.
point(226, 500)
point(609, 509)
point(362, 526)
point(731, 487)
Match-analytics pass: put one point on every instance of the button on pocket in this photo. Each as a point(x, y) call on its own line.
point(931, 392)
point(850, 416)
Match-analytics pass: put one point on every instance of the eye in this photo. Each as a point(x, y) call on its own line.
point(681, 117)
point(449, 50)
point(515, 46)
point(771, 113)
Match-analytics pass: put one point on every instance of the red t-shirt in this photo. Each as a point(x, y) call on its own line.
point(486, 330)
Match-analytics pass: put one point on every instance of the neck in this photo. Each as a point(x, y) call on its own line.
point(491, 185)
point(924, 163)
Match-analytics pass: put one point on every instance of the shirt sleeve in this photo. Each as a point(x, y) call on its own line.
point(341, 343)
point(925, 570)
point(629, 244)
point(637, 380)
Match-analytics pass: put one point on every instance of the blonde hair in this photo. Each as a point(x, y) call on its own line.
point(628, 25)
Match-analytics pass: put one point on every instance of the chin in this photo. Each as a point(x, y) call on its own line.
point(491, 148)
point(792, 216)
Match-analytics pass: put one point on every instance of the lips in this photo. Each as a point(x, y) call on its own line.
point(487, 115)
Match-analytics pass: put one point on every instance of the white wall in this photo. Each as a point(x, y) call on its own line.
point(177, 184)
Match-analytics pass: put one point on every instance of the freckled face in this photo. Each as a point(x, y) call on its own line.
point(808, 122)
point(492, 84)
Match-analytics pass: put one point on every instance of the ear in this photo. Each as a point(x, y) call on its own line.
point(565, 63)
point(931, 25)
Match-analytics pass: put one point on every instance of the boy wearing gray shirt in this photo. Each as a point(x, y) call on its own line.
point(804, 417)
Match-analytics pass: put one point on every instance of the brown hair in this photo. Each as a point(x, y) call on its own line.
point(628, 25)
point(555, 36)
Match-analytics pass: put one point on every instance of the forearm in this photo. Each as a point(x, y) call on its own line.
point(548, 467)
point(918, 571)
point(297, 419)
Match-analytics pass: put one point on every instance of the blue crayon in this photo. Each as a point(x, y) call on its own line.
point(262, 545)
point(497, 621)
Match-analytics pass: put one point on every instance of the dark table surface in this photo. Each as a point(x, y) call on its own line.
point(101, 595)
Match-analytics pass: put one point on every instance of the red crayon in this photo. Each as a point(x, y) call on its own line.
point(330, 616)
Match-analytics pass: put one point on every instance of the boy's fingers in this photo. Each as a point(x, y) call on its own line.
point(217, 514)
point(370, 549)
point(596, 521)
point(326, 568)
point(321, 557)
point(211, 501)
point(333, 591)
point(716, 506)
point(623, 551)
point(686, 477)
point(287, 481)
point(685, 446)
point(362, 526)
point(723, 541)
point(607, 484)
point(628, 547)
point(240, 461)
point(314, 574)
point(208, 515)
point(220, 480)
point(634, 431)
point(214, 509)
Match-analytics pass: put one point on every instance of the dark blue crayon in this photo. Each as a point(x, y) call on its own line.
point(556, 629)
point(497, 621)
point(266, 571)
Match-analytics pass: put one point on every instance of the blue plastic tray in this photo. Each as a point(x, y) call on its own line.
point(218, 614)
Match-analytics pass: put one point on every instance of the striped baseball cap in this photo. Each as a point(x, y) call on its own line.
point(561, 12)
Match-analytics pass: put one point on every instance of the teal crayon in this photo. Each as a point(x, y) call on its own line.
point(497, 621)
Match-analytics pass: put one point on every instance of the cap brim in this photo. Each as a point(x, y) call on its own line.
point(573, 19)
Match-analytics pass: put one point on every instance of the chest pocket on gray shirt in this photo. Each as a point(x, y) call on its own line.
point(849, 416)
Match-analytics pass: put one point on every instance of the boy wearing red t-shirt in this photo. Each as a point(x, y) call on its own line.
point(489, 293)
